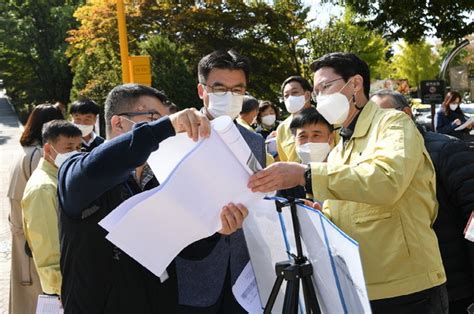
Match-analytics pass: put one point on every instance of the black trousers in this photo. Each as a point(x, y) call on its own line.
point(430, 301)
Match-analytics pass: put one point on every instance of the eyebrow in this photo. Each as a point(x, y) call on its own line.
point(222, 84)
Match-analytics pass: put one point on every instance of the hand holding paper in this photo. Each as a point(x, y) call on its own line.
point(232, 218)
point(278, 176)
point(468, 124)
point(191, 121)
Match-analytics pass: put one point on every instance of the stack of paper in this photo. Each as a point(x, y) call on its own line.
point(198, 179)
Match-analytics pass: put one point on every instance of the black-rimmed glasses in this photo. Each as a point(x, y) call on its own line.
point(220, 90)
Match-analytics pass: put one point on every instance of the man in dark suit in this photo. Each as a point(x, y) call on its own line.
point(205, 284)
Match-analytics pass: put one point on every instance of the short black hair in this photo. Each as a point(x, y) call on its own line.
point(54, 129)
point(124, 97)
point(346, 65)
point(249, 104)
point(296, 78)
point(84, 106)
point(306, 117)
point(173, 108)
point(220, 59)
point(398, 100)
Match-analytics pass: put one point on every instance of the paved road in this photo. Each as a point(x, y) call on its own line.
point(9, 148)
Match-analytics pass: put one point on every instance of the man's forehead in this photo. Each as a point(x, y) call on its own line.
point(293, 85)
point(323, 74)
point(147, 103)
point(66, 140)
point(313, 127)
point(229, 77)
point(83, 115)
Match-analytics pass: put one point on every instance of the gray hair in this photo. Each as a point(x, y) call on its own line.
point(398, 100)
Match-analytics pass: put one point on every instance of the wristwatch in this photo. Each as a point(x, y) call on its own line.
point(308, 186)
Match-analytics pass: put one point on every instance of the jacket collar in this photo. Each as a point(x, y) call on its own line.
point(47, 167)
point(365, 119)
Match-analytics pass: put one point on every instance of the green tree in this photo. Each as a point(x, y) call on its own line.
point(415, 62)
point(412, 21)
point(169, 72)
point(32, 60)
point(257, 30)
point(344, 35)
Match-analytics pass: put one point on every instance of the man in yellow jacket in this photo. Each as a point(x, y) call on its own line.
point(40, 205)
point(378, 186)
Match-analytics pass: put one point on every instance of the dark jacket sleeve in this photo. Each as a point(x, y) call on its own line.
point(457, 176)
point(85, 177)
point(443, 124)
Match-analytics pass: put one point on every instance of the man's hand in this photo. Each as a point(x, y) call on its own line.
point(278, 176)
point(232, 218)
point(191, 121)
point(314, 205)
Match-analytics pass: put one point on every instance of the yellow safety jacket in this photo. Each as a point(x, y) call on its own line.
point(40, 224)
point(379, 188)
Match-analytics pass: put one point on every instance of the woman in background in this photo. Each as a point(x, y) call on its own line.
point(267, 118)
point(450, 116)
point(24, 282)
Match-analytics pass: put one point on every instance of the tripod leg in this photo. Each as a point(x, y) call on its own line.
point(310, 299)
point(273, 295)
point(290, 305)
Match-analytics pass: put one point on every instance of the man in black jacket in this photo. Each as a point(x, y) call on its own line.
point(97, 276)
point(454, 166)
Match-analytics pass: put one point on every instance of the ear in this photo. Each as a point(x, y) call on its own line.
point(46, 149)
point(358, 82)
point(331, 140)
point(408, 111)
point(116, 124)
point(200, 89)
point(307, 96)
point(48, 153)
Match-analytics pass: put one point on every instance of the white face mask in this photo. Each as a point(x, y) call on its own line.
point(269, 120)
point(85, 129)
point(294, 104)
point(453, 107)
point(333, 107)
point(313, 152)
point(61, 158)
point(226, 105)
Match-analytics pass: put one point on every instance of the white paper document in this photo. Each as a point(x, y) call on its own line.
point(48, 304)
point(245, 291)
point(154, 226)
point(337, 269)
point(469, 122)
point(338, 275)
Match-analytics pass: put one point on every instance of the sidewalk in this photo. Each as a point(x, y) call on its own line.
point(9, 147)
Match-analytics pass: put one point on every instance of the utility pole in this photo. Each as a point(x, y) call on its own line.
point(122, 28)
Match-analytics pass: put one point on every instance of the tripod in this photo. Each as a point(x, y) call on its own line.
point(293, 271)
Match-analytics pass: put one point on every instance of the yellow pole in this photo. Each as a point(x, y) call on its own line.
point(122, 27)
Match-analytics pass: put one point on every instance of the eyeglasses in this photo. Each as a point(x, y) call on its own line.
point(321, 87)
point(153, 114)
point(222, 90)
